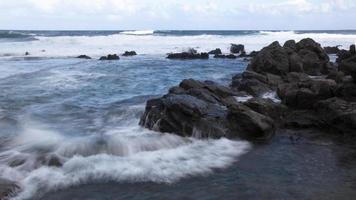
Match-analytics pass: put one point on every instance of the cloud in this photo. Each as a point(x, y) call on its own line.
point(164, 13)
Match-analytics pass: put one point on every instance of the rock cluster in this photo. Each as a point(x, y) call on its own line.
point(312, 91)
point(188, 55)
point(129, 53)
point(110, 57)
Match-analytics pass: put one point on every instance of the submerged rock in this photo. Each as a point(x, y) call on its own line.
point(7, 188)
point(229, 56)
point(110, 57)
point(84, 57)
point(188, 55)
point(129, 53)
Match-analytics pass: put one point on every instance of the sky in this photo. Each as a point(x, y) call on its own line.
point(177, 14)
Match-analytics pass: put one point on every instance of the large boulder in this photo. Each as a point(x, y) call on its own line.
point(348, 66)
point(237, 48)
point(271, 59)
point(253, 83)
point(304, 94)
point(338, 113)
point(249, 124)
point(205, 109)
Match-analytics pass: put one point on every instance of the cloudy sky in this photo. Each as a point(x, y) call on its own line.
point(177, 14)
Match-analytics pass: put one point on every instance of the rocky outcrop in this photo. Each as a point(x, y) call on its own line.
point(129, 53)
point(311, 93)
point(191, 54)
point(84, 57)
point(110, 57)
point(215, 52)
point(237, 48)
point(205, 109)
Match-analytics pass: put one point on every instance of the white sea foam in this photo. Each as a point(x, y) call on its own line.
point(124, 154)
point(145, 42)
point(272, 96)
point(242, 99)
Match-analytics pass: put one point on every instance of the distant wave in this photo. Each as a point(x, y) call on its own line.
point(15, 36)
point(147, 32)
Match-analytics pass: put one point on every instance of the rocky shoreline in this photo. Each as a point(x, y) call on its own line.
point(293, 86)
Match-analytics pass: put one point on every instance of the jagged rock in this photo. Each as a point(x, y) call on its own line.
point(217, 51)
point(338, 113)
point(110, 57)
point(252, 83)
point(237, 48)
point(348, 66)
point(267, 107)
point(303, 95)
point(129, 53)
point(332, 50)
point(249, 124)
point(84, 57)
point(229, 56)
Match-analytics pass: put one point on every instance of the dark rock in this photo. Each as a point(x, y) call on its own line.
point(332, 50)
point(337, 76)
point(249, 124)
point(353, 49)
point(27, 53)
point(348, 66)
point(7, 188)
point(301, 119)
point(84, 57)
point(347, 90)
point(338, 113)
point(290, 45)
point(184, 115)
point(237, 48)
point(229, 56)
point(267, 107)
point(253, 53)
point(295, 63)
point(271, 59)
point(110, 57)
point(215, 52)
point(303, 95)
point(188, 55)
point(342, 55)
point(252, 83)
point(129, 53)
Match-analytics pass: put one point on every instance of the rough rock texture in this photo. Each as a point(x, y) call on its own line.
point(129, 53)
point(313, 94)
point(237, 48)
point(110, 57)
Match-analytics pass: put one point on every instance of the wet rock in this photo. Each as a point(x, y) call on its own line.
point(27, 53)
point(249, 124)
point(267, 107)
point(129, 53)
point(252, 83)
point(348, 66)
point(188, 56)
point(237, 48)
point(338, 113)
point(110, 57)
point(215, 52)
point(332, 50)
point(229, 56)
point(84, 57)
point(7, 188)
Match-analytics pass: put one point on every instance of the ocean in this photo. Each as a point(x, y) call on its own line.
point(84, 114)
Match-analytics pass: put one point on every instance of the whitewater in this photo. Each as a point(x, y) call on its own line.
point(68, 122)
